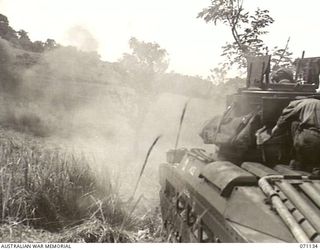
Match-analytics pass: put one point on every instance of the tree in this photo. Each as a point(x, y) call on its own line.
point(247, 31)
point(6, 32)
point(50, 44)
point(24, 40)
point(146, 62)
point(20, 39)
point(149, 56)
point(38, 46)
point(143, 69)
point(4, 20)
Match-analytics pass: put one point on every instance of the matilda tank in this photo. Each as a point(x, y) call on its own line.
point(255, 198)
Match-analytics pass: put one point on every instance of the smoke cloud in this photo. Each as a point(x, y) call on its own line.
point(82, 38)
point(75, 99)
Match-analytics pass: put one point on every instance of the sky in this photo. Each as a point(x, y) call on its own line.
point(194, 46)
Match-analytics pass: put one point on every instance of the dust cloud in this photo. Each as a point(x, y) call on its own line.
point(163, 119)
point(68, 97)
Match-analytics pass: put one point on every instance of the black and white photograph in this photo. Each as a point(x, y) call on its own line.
point(148, 121)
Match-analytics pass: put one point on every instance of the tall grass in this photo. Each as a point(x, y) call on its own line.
point(49, 187)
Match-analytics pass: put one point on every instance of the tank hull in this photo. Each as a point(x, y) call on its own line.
point(222, 202)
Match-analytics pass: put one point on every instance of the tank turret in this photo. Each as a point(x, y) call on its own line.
point(254, 195)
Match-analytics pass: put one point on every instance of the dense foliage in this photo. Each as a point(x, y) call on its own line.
point(247, 30)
